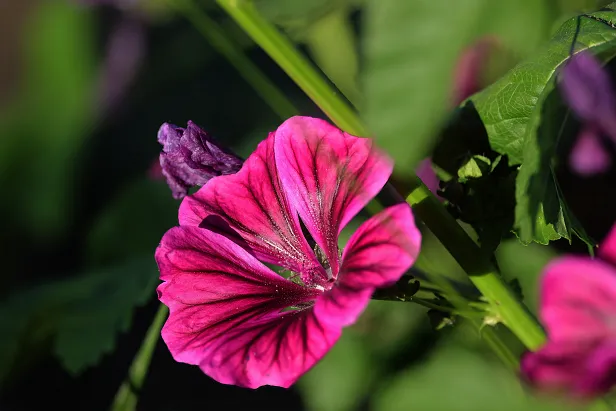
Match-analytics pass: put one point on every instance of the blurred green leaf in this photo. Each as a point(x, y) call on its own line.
point(133, 223)
point(455, 379)
point(411, 50)
point(524, 263)
point(434, 260)
point(56, 114)
point(332, 44)
point(349, 373)
point(341, 380)
point(78, 317)
point(507, 106)
point(296, 15)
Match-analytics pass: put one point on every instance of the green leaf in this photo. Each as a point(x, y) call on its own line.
point(506, 107)
point(457, 380)
point(476, 167)
point(78, 318)
point(541, 213)
point(528, 123)
point(56, 114)
point(332, 44)
point(411, 50)
point(296, 12)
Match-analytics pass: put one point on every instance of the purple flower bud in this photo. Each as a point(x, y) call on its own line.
point(191, 157)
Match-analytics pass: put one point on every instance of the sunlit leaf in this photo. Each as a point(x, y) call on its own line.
point(506, 107)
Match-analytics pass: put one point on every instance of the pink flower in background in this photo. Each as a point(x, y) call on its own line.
point(589, 91)
point(468, 71)
point(234, 317)
point(578, 309)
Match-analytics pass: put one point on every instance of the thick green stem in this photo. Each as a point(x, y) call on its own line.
point(294, 64)
point(223, 44)
point(128, 394)
point(503, 302)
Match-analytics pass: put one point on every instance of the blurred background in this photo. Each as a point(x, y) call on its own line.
point(84, 87)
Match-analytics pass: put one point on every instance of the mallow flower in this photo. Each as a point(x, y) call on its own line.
point(235, 317)
point(578, 310)
point(589, 91)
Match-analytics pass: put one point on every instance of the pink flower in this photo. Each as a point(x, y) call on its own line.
point(468, 71)
point(578, 309)
point(234, 317)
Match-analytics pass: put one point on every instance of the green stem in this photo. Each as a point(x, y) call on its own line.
point(223, 44)
point(331, 41)
point(127, 396)
point(504, 304)
point(303, 73)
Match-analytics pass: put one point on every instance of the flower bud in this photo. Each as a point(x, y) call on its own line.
point(191, 157)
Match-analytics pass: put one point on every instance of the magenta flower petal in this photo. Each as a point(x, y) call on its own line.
point(225, 312)
point(578, 291)
point(557, 366)
point(328, 175)
point(583, 369)
point(254, 205)
point(239, 321)
point(578, 309)
point(377, 255)
point(607, 249)
point(588, 156)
